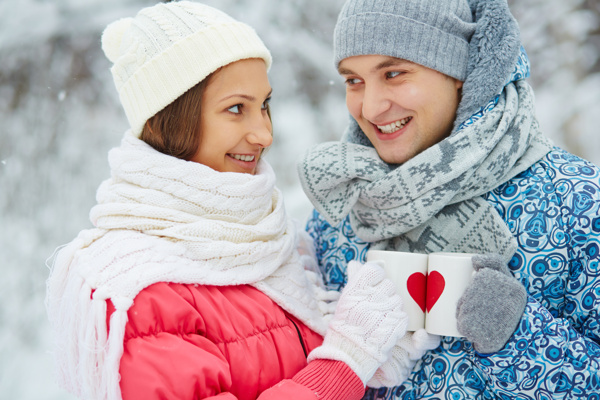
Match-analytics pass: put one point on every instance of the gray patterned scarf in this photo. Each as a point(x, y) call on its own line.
point(433, 201)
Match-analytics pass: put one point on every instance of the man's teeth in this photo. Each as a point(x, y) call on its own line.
point(242, 157)
point(394, 126)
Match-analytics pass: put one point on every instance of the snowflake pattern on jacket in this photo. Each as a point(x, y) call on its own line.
point(553, 210)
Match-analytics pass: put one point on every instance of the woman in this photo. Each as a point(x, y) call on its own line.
point(191, 285)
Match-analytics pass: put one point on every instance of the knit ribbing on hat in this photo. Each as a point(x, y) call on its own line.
point(427, 32)
point(169, 48)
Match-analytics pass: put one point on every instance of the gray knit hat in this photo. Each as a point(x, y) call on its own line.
point(432, 33)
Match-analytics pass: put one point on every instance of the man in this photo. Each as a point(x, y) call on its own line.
point(443, 153)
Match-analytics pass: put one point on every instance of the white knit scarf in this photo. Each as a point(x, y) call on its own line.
point(161, 219)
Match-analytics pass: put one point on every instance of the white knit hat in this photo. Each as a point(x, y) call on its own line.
point(167, 49)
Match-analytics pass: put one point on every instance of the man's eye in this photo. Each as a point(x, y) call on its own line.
point(392, 74)
point(352, 81)
point(237, 109)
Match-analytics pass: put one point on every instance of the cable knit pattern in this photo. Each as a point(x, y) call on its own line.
point(367, 323)
point(161, 219)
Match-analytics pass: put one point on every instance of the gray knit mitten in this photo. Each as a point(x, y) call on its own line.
point(368, 322)
point(492, 306)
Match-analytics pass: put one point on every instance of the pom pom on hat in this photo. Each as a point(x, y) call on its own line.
point(112, 37)
point(167, 49)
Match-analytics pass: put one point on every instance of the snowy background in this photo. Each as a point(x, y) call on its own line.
point(59, 115)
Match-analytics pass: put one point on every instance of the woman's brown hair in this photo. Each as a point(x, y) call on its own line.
point(174, 130)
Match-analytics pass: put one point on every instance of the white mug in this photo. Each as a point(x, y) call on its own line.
point(429, 285)
point(409, 272)
point(449, 274)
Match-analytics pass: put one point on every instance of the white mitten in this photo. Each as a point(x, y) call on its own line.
point(405, 354)
point(368, 322)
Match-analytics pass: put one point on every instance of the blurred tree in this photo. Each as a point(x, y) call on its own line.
point(562, 39)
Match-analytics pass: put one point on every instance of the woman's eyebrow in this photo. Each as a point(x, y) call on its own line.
point(245, 96)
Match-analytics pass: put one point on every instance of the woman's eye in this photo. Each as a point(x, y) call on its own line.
point(265, 105)
point(237, 109)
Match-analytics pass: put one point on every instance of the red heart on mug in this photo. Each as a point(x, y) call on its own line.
point(435, 287)
point(416, 285)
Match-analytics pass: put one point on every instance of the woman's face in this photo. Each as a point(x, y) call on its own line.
point(234, 125)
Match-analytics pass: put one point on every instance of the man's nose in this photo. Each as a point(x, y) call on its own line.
point(376, 101)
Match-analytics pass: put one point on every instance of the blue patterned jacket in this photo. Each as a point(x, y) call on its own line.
point(553, 210)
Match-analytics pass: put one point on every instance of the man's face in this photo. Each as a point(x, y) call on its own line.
point(402, 107)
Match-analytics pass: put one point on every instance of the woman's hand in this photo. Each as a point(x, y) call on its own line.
point(367, 324)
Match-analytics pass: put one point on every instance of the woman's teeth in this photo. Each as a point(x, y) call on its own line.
point(394, 126)
point(242, 157)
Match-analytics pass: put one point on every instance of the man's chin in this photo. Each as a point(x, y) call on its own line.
point(394, 159)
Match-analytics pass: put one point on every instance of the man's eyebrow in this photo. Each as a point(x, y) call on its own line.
point(344, 71)
point(388, 62)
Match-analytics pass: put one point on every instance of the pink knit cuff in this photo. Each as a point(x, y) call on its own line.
point(330, 379)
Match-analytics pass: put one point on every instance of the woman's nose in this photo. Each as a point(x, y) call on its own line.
point(262, 132)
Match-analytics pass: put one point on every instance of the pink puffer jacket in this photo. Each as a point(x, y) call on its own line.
point(233, 342)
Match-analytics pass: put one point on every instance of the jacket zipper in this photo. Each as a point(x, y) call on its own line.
point(299, 337)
